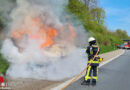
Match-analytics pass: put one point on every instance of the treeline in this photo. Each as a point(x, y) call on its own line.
point(92, 17)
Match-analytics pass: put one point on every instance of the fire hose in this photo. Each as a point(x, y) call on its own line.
point(80, 72)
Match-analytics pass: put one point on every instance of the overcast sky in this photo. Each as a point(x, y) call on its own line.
point(117, 14)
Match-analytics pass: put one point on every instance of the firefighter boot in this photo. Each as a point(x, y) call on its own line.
point(93, 82)
point(85, 82)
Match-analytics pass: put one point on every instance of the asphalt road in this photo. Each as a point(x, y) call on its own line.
point(114, 75)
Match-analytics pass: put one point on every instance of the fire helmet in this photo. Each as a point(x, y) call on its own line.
point(91, 39)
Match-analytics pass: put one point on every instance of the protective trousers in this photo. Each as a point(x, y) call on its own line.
point(89, 71)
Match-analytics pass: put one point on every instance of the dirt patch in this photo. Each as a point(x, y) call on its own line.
point(31, 84)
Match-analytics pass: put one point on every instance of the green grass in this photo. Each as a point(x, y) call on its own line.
point(104, 49)
point(3, 64)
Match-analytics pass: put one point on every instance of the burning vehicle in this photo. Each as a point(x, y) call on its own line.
point(42, 42)
point(47, 36)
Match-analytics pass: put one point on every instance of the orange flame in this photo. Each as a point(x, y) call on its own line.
point(51, 33)
point(72, 31)
point(44, 34)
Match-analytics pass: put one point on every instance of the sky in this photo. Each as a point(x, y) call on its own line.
point(117, 14)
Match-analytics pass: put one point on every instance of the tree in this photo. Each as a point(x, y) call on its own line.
point(2, 24)
point(98, 15)
point(91, 4)
point(122, 34)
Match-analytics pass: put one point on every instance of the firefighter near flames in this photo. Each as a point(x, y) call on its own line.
point(92, 50)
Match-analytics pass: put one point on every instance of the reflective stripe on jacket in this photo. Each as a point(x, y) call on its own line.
point(91, 51)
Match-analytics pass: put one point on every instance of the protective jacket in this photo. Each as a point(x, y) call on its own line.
point(91, 51)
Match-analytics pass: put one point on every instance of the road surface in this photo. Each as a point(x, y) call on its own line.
point(112, 76)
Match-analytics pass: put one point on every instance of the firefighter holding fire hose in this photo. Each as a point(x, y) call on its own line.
point(92, 50)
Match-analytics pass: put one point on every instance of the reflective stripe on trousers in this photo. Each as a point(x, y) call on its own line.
point(95, 74)
point(88, 75)
point(89, 71)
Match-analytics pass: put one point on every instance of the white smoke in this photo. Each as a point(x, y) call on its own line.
point(61, 60)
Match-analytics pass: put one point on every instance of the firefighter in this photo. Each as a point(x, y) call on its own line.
point(92, 50)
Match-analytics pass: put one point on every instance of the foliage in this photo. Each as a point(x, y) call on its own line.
point(93, 20)
point(3, 64)
point(2, 23)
